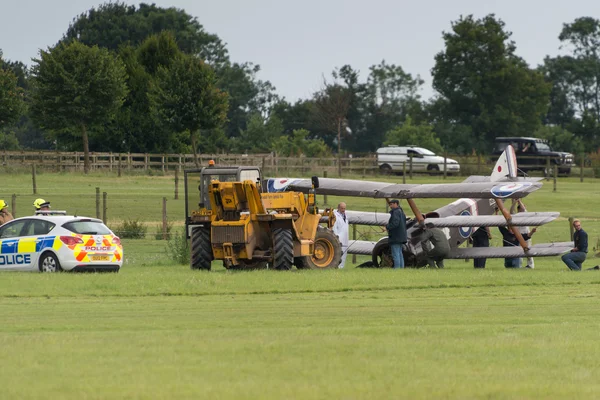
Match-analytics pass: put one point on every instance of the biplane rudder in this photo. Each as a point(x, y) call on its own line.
point(506, 166)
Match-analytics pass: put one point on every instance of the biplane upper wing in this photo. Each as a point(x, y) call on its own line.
point(355, 188)
point(538, 250)
point(521, 219)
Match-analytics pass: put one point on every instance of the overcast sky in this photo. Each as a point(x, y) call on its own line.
point(296, 42)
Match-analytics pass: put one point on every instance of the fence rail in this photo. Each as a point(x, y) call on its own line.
point(271, 163)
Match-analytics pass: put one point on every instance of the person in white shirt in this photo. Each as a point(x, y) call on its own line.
point(341, 230)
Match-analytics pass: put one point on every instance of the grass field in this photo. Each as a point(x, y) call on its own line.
point(158, 330)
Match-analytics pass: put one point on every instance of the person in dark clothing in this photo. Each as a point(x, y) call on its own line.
point(440, 249)
point(508, 240)
point(481, 238)
point(396, 228)
point(577, 256)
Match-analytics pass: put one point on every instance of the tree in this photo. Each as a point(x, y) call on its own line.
point(388, 98)
point(561, 139)
point(112, 25)
point(420, 135)
point(575, 78)
point(487, 87)
point(12, 103)
point(137, 127)
point(332, 105)
point(259, 135)
point(298, 144)
point(187, 98)
point(77, 89)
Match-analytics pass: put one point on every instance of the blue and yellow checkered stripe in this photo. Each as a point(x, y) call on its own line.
point(29, 244)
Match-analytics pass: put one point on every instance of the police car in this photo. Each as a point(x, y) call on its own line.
point(52, 243)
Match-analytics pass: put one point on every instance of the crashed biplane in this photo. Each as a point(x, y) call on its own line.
point(480, 197)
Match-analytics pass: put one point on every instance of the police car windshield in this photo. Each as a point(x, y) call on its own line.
point(87, 228)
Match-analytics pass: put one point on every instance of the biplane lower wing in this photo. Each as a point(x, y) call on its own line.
point(364, 247)
point(353, 188)
point(365, 218)
point(521, 219)
point(539, 250)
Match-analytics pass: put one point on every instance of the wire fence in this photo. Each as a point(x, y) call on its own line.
point(585, 165)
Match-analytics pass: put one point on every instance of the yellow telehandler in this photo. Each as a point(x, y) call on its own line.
point(233, 220)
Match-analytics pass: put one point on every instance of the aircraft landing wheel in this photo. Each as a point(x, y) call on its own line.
point(327, 252)
point(382, 255)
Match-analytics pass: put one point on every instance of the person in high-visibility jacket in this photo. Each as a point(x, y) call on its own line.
point(5, 216)
point(41, 205)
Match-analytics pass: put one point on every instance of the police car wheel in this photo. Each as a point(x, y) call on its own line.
point(49, 263)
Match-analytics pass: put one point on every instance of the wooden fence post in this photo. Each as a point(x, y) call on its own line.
point(119, 166)
point(445, 164)
point(571, 229)
point(353, 238)
point(176, 184)
point(13, 205)
point(98, 202)
point(410, 165)
point(164, 218)
point(325, 196)
point(403, 171)
point(581, 169)
point(33, 178)
point(104, 198)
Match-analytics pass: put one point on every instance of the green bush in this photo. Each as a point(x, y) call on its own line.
point(178, 247)
point(159, 233)
point(131, 229)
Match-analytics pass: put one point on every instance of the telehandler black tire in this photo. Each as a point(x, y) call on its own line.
point(283, 249)
point(201, 251)
point(327, 253)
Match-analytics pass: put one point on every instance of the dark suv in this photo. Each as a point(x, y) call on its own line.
point(533, 153)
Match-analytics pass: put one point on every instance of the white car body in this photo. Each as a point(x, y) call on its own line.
point(392, 158)
point(51, 243)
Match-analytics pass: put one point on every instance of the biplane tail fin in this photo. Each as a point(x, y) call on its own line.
point(506, 166)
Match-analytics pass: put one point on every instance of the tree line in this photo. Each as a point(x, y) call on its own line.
point(147, 79)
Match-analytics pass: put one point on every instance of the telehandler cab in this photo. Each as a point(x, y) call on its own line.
point(230, 218)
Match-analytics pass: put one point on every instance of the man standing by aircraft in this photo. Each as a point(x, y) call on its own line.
point(340, 228)
point(396, 228)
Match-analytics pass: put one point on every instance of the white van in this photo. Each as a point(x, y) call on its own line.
point(391, 158)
